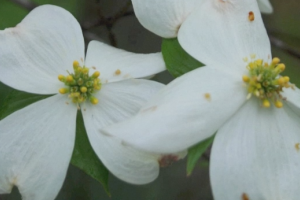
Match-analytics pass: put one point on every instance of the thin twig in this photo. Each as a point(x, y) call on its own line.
point(122, 11)
point(206, 154)
point(284, 46)
point(103, 21)
point(29, 5)
point(108, 22)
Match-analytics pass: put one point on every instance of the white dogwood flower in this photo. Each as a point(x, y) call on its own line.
point(36, 142)
point(165, 17)
point(239, 94)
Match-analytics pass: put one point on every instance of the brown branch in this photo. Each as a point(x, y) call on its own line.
point(89, 25)
point(284, 46)
point(27, 4)
point(108, 22)
point(112, 37)
point(122, 11)
point(206, 154)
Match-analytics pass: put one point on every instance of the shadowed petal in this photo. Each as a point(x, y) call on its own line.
point(265, 6)
point(126, 163)
point(116, 64)
point(117, 102)
point(163, 18)
point(186, 111)
point(292, 97)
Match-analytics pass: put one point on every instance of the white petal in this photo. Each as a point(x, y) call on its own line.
point(220, 32)
point(118, 101)
point(188, 110)
point(36, 145)
point(163, 18)
point(256, 153)
point(41, 47)
point(116, 64)
point(126, 163)
point(265, 6)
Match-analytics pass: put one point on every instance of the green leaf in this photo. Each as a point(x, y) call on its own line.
point(10, 14)
point(4, 91)
point(73, 6)
point(178, 61)
point(85, 158)
point(16, 100)
point(196, 152)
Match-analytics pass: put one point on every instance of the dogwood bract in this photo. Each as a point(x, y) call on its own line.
point(240, 94)
point(165, 17)
point(44, 54)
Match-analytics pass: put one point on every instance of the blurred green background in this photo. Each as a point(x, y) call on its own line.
point(113, 22)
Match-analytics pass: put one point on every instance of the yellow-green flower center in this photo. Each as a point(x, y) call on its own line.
point(79, 85)
point(264, 81)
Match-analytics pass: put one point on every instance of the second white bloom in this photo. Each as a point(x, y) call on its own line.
point(240, 95)
point(165, 17)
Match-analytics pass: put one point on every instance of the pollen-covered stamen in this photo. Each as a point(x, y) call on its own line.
point(79, 85)
point(264, 82)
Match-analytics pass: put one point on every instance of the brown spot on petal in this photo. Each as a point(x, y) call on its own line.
point(94, 68)
point(117, 72)
point(207, 96)
point(17, 30)
point(297, 146)
point(177, 28)
point(245, 196)
point(167, 160)
point(124, 143)
point(126, 76)
point(14, 181)
point(251, 16)
point(153, 108)
point(224, 5)
point(106, 134)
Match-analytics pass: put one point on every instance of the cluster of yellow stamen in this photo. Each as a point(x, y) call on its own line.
point(79, 85)
point(264, 81)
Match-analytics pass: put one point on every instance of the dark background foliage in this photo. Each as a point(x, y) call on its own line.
point(113, 22)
